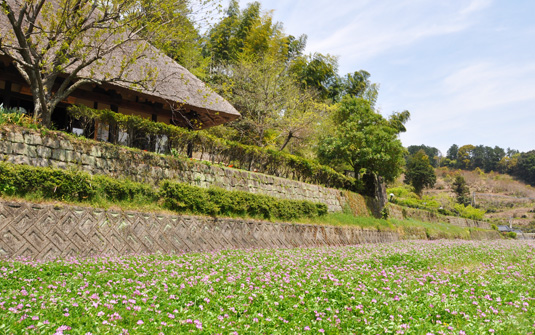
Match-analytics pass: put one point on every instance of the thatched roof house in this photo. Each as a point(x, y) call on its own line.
point(171, 94)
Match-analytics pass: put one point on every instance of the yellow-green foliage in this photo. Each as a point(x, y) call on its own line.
point(67, 185)
point(469, 212)
point(402, 192)
point(16, 117)
point(404, 197)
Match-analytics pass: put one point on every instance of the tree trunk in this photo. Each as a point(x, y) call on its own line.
point(41, 112)
point(290, 135)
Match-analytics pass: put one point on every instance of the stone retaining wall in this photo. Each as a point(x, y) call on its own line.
point(47, 231)
point(56, 149)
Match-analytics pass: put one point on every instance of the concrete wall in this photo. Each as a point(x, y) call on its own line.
point(55, 149)
point(47, 231)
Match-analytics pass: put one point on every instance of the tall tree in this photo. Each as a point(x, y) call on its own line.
point(525, 169)
point(250, 33)
point(364, 140)
point(419, 172)
point(431, 152)
point(180, 38)
point(452, 152)
point(275, 109)
point(356, 84)
point(316, 71)
point(461, 190)
point(465, 156)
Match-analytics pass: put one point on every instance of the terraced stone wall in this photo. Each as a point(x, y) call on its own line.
point(55, 149)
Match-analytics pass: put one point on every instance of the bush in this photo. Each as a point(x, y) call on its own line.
point(17, 117)
point(186, 198)
point(72, 185)
point(67, 185)
point(469, 212)
point(402, 192)
point(49, 183)
point(511, 235)
point(122, 189)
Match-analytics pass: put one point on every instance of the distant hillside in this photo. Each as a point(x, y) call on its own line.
point(502, 197)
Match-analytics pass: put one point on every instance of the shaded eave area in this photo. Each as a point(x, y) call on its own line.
point(172, 90)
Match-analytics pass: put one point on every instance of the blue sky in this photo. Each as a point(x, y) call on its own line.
point(465, 69)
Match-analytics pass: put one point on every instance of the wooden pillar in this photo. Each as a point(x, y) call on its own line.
point(113, 133)
point(7, 95)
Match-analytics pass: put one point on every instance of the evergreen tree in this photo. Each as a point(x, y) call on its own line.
point(461, 190)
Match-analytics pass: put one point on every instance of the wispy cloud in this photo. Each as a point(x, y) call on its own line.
point(475, 6)
point(480, 103)
point(364, 29)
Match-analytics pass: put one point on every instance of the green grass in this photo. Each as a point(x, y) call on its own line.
point(437, 287)
point(435, 230)
point(342, 219)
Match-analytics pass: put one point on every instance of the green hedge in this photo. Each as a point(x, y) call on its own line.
point(50, 183)
point(149, 134)
point(186, 198)
point(67, 185)
point(76, 186)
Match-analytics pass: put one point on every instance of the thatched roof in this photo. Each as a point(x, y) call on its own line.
point(169, 82)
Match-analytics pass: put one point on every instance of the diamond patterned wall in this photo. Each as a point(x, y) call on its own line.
point(48, 231)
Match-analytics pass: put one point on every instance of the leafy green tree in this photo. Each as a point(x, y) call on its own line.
point(250, 33)
point(316, 71)
point(363, 140)
point(452, 152)
point(419, 172)
point(461, 190)
point(173, 27)
point(493, 156)
point(431, 152)
point(465, 156)
point(356, 84)
point(508, 164)
point(275, 109)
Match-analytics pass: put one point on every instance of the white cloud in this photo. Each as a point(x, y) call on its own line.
point(475, 6)
point(480, 103)
point(368, 29)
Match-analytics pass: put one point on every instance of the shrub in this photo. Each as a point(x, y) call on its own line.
point(17, 117)
point(122, 189)
point(511, 235)
point(50, 183)
point(469, 212)
point(186, 198)
point(67, 185)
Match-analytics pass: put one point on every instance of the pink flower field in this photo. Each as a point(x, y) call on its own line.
point(439, 287)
